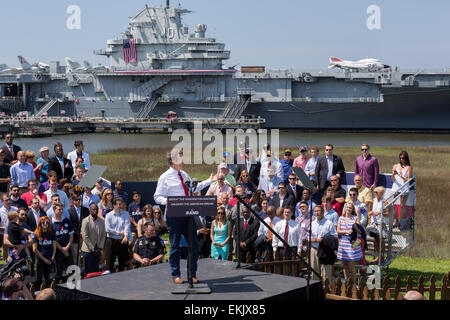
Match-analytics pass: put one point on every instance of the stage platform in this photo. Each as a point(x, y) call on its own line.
point(225, 281)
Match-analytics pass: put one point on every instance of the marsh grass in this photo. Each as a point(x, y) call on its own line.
point(431, 165)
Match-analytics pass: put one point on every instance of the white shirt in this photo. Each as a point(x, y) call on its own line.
point(376, 207)
point(322, 228)
point(362, 214)
point(294, 237)
point(62, 197)
point(275, 164)
point(268, 184)
point(169, 184)
point(37, 216)
point(72, 156)
point(117, 222)
point(311, 167)
point(4, 217)
point(330, 167)
point(263, 230)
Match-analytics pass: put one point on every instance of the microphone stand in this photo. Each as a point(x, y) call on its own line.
point(238, 235)
point(261, 220)
point(191, 238)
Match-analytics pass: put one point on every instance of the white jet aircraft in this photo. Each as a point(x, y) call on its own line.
point(370, 65)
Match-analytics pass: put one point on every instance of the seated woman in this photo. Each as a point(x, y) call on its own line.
point(220, 235)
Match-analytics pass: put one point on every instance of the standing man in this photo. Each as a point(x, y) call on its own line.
point(120, 193)
point(311, 164)
point(53, 184)
point(248, 232)
point(5, 174)
point(294, 189)
point(10, 149)
point(282, 198)
point(269, 161)
point(135, 212)
point(203, 235)
point(320, 229)
point(89, 198)
point(16, 200)
point(269, 183)
point(62, 166)
point(117, 226)
point(364, 193)
point(301, 160)
point(64, 239)
point(34, 214)
point(171, 183)
point(77, 213)
point(4, 211)
point(22, 172)
point(79, 152)
point(94, 236)
point(251, 165)
point(287, 164)
point(328, 166)
point(33, 192)
point(290, 231)
point(367, 167)
point(264, 241)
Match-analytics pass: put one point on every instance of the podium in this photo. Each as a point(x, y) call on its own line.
point(190, 207)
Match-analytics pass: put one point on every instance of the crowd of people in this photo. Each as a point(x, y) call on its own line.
point(53, 222)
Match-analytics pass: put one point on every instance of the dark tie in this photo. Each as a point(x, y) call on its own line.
point(186, 192)
point(286, 233)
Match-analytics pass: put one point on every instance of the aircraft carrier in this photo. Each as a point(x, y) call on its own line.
point(158, 66)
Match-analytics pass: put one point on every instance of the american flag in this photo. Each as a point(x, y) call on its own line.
point(129, 50)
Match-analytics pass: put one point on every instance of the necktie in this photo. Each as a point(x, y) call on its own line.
point(286, 233)
point(270, 235)
point(245, 224)
point(11, 150)
point(186, 192)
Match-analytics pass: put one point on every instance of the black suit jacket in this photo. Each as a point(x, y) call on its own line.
point(8, 156)
point(204, 240)
point(322, 170)
point(288, 201)
point(76, 223)
point(255, 169)
point(248, 235)
point(297, 194)
point(53, 164)
point(31, 222)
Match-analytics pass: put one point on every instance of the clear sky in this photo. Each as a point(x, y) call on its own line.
point(280, 34)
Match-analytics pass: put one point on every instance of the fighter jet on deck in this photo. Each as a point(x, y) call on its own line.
point(369, 65)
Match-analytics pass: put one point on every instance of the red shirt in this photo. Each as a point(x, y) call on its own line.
point(28, 196)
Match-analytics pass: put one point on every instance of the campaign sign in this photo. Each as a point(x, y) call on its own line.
point(201, 206)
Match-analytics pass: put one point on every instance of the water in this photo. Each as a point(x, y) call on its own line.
point(98, 142)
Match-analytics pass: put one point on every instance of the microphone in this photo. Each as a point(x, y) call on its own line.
point(194, 183)
point(187, 182)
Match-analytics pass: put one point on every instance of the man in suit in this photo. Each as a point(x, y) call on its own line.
point(293, 188)
point(77, 214)
point(34, 214)
point(282, 198)
point(62, 166)
point(93, 235)
point(251, 165)
point(203, 235)
point(328, 166)
point(248, 233)
point(10, 149)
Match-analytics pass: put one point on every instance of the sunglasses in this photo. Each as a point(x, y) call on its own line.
point(364, 149)
point(328, 149)
point(221, 213)
point(291, 178)
point(333, 180)
point(45, 222)
point(281, 187)
point(245, 176)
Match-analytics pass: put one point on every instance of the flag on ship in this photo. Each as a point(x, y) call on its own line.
point(129, 50)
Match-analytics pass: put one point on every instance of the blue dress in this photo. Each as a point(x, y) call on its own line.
point(220, 235)
point(345, 250)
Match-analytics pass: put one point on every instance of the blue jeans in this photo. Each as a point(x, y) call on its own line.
point(91, 262)
point(178, 227)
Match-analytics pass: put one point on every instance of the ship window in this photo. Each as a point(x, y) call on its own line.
point(171, 33)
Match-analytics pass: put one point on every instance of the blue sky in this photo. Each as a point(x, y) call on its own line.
point(279, 34)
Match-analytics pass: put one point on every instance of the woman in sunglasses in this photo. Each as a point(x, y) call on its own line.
point(159, 222)
point(44, 247)
point(401, 173)
point(220, 235)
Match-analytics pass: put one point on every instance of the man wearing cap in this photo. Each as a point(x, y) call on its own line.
point(10, 149)
point(229, 179)
point(79, 152)
point(271, 161)
point(42, 163)
point(270, 182)
point(220, 187)
point(287, 164)
point(301, 160)
point(99, 188)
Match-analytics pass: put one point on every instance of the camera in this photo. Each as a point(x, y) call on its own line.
point(12, 268)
